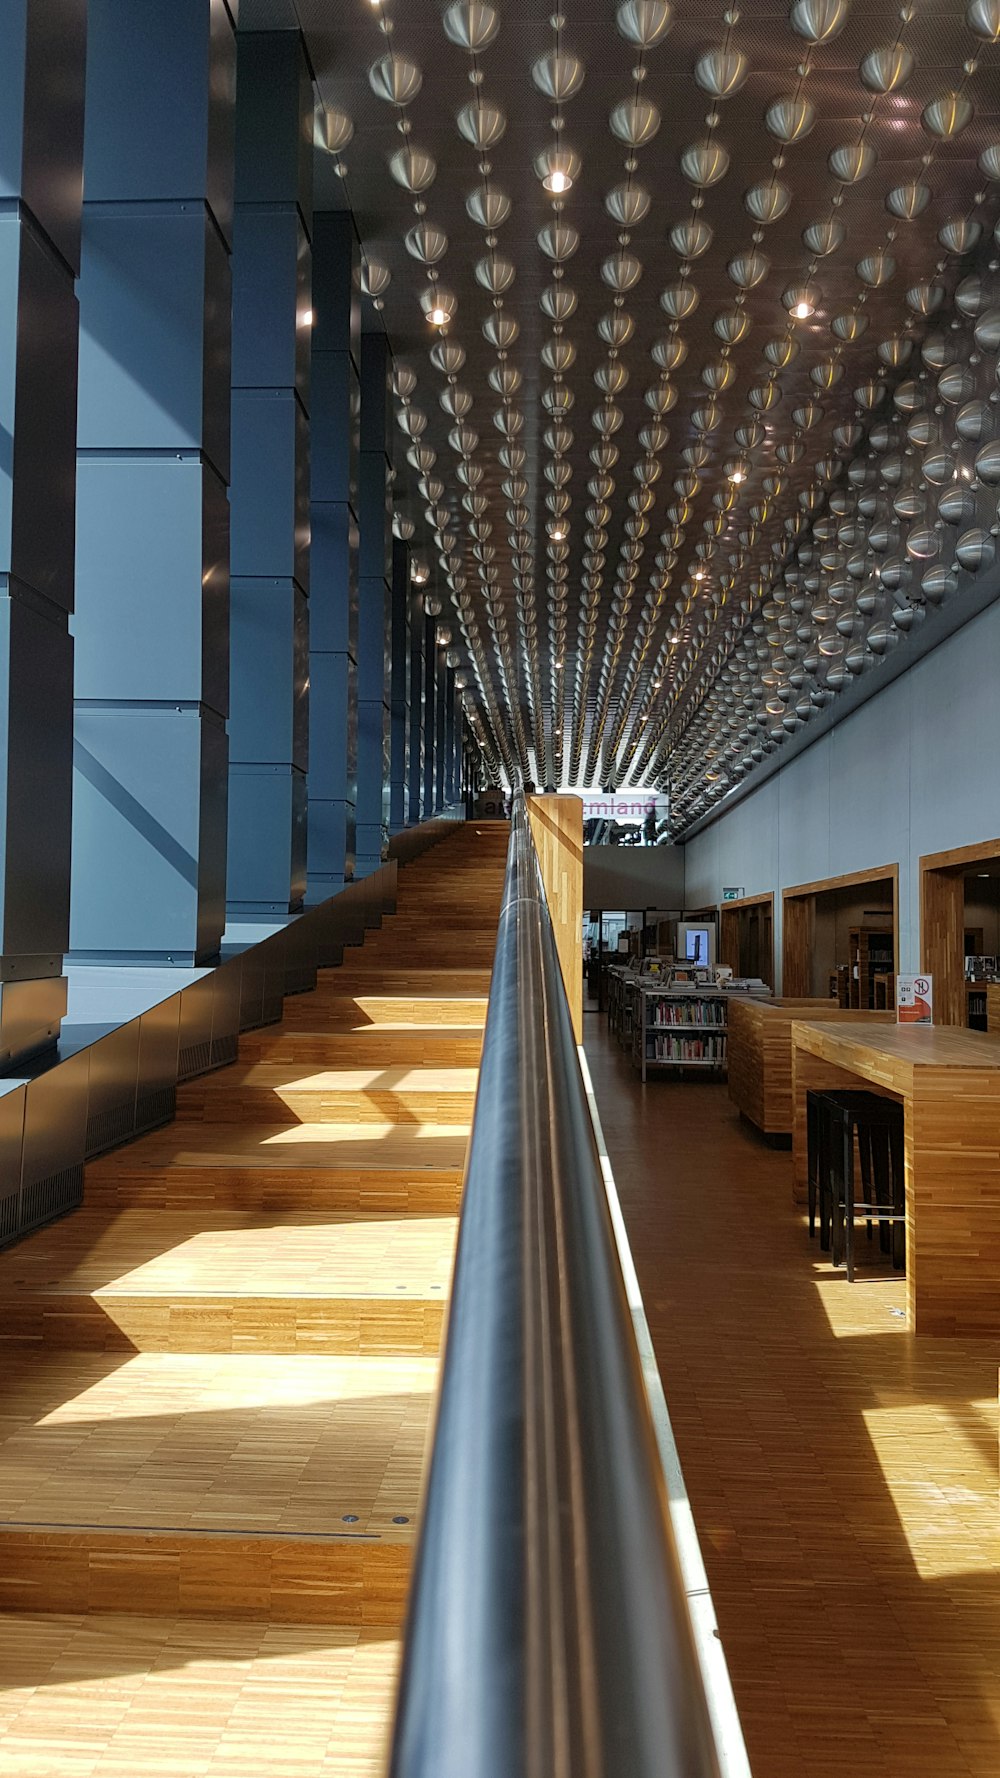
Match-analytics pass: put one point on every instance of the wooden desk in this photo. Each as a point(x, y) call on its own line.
point(993, 1007)
point(760, 1054)
point(948, 1081)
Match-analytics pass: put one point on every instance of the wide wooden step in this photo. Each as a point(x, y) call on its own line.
point(369, 975)
point(179, 1443)
point(199, 1167)
point(317, 1095)
point(179, 1281)
point(317, 1580)
point(332, 1007)
point(383, 1046)
point(122, 1696)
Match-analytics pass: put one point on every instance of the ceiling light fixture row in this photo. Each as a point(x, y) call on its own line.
point(559, 76)
point(903, 523)
point(957, 233)
point(483, 126)
point(720, 73)
point(473, 25)
point(788, 119)
point(635, 122)
point(891, 352)
point(335, 133)
point(647, 703)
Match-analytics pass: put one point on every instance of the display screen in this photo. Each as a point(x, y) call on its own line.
point(696, 949)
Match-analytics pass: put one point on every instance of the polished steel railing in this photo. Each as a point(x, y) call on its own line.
point(548, 1633)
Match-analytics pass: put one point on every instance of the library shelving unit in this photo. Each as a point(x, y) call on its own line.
point(872, 983)
point(680, 1027)
point(976, 1006)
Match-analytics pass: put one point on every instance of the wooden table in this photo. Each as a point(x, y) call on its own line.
point(760, 1054)
point(948, 1081)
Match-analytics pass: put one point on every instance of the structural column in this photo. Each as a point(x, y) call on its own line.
point(335, 409)
point(441, 727)
point(272, 322)
point(41, 177)
point(399, 687)
point(450, 791)
point(152, 668)
point(415, 783)
point(430, 713)
point(374, 634)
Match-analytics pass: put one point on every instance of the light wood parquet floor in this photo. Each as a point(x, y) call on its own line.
point(842, 1472)
point(218, 1379)
point(157, 1697)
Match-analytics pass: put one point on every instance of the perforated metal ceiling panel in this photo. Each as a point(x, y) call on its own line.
point(644, 449)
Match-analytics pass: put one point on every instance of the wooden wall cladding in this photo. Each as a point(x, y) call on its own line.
point(746, 936)
point(557, 830)
point(942, 924)
point(949, 1084)
point(798, 922)
point(760, 1055)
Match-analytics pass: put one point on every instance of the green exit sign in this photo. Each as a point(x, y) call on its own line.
point(732, 894)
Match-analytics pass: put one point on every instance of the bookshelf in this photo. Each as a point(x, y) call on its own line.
point(681, 1028)
point(976, 1006)
point(872, 976)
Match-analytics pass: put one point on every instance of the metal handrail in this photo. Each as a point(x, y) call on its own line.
point(548, 1633)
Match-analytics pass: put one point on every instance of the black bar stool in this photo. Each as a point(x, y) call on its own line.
point(820, 1133)
point(837, 1121)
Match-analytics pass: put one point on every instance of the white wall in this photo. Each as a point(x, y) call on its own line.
point(916, 769)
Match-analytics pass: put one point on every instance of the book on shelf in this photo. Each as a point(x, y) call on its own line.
point(688, 1012)
point(661, 1047)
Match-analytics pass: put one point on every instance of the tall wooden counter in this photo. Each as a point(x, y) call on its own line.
point(948, 1081)
point(760, 1054)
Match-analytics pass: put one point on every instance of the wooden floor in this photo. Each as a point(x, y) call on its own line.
point(843, 1473)
point(218, 1378)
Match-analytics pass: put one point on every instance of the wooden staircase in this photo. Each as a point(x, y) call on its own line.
point(219, 1375)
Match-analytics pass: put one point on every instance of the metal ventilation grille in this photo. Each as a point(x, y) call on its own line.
point(106, 1129)
point(49, 1197)
point(154, 1108)
point(10, 1207)
point(616, 399)
point(194, 1058)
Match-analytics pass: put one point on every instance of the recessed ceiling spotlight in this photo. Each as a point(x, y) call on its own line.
point(800, 300)
point(557, 168)
point(438, 305)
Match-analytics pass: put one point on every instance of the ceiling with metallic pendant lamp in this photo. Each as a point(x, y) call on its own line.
point(696, 316)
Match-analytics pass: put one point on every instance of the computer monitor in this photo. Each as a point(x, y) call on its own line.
point(696, 945)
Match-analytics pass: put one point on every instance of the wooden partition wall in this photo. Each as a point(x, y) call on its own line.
point(557, 830)
point(942, 924)
point(798, 923)
point(738, 939)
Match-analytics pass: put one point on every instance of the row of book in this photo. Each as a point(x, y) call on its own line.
point(688, 1012)
point(686, 1049)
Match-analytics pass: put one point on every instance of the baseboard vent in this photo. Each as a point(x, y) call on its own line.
point(46, 1198)
point(154, 1108)
point(10, 1219)
point(108, 1129)
point(194, 1058)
